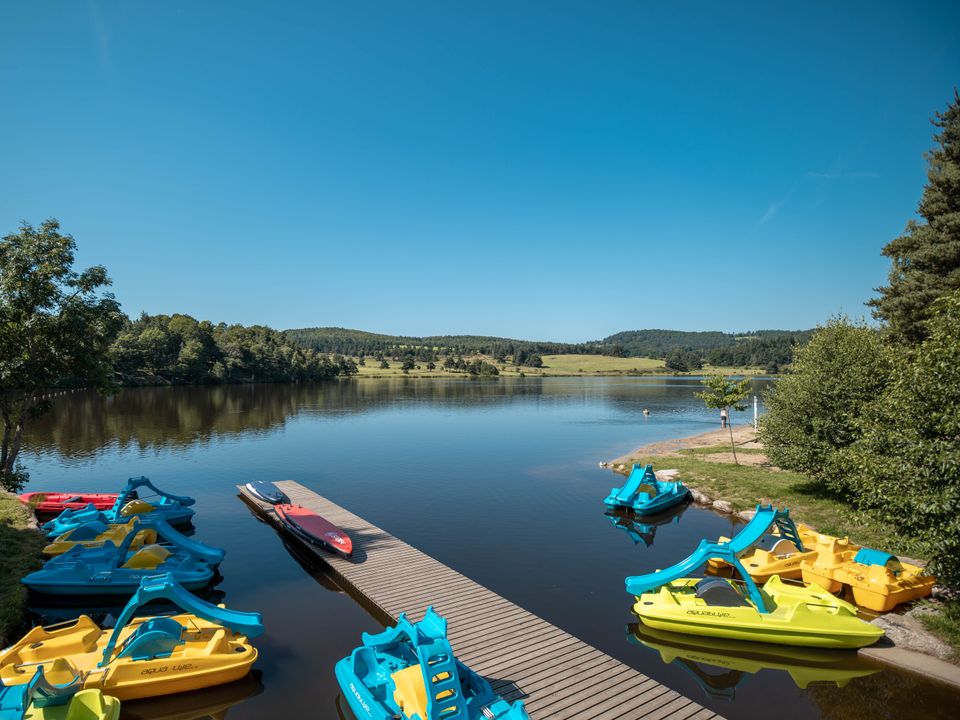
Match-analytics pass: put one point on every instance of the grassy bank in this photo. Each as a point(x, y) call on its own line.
point(746, 485)
point(21, 555)
point(709, 468)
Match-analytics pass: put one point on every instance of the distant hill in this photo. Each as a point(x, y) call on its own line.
point(660, 343)
point(763, 348)
point(355, 342)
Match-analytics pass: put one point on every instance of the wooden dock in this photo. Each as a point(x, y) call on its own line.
point(522, 655)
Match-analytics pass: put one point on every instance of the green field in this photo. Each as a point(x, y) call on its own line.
point(599, 364)
point(554, 365)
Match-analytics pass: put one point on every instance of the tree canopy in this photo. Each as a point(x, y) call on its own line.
point(926, 257)
point(905, 464)
point(815, 410)
point(56, 325)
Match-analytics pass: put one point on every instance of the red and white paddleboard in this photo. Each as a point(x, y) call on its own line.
point(314, 528)
point(52, 502)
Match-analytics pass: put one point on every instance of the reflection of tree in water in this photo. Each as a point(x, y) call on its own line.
point(888, 694)
point(82, 423)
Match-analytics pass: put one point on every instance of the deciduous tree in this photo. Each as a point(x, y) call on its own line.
point(56, 326)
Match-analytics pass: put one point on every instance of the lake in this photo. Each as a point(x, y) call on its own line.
point(497, 478)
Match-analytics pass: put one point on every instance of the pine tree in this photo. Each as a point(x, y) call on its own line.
point(926, 258)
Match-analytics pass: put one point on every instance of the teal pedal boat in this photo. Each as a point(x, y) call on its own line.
point(645, 495)
point(117, 570)
point(175, 509)
point(408, 672)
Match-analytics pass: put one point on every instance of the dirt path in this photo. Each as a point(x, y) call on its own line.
point(744, 436)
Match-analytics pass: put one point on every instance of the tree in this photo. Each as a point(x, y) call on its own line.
point(905, 466)
point(56, 326)
point(408, 364)
point(926, 257)
point(814, 412)
point(722, 392)
point(384, 365)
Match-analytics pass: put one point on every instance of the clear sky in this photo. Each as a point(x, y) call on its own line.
point(555, 170)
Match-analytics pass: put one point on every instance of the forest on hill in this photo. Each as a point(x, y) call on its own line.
point(682, 351)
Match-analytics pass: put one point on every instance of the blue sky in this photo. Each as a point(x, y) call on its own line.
point(556, 170)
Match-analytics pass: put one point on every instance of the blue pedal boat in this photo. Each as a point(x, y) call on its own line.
point(175, 509)
point(117, 570)
point(408, 672)
point(646, 495)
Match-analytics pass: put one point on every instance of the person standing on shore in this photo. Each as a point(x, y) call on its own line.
point(724, 417)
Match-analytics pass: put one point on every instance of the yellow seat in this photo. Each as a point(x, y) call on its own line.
point(411, 694)
point(136, 507)
point(147, 558)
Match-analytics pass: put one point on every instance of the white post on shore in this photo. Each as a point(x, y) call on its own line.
point(754, 412)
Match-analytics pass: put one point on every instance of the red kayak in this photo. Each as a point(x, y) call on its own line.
point(314, 528)
point(54, 502)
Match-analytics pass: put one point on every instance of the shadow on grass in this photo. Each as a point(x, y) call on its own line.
point(21, 555)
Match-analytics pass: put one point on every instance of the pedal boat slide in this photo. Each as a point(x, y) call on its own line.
point(116, 570)
point(645, 495)
point(717, 607)
point(175, 509)
point(142, 657)
point(409, 671)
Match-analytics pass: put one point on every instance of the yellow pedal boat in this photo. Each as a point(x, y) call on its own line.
point(96, 534)
point(773, 555)
point(85, 705)
point(141, 657)
point(41, 699)
point(879, 581)
point(792, 615)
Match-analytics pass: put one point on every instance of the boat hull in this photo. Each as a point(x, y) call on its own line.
point(803, 617)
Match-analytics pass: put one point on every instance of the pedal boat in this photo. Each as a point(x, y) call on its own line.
point(878, 580)
point(116, 570)
point(40, 699)
point(142, 657)
point(644, 494)
point(718, 607)
point(738, 660)
point(409, 672)
point(774, 554)
point(95, 534)
point(52, 503)
point(175, 509)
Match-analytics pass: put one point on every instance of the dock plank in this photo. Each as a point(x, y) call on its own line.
point(525, 657)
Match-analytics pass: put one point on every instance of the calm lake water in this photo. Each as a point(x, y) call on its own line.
point(496, 478)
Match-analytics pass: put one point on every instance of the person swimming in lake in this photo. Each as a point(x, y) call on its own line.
point(646, 413)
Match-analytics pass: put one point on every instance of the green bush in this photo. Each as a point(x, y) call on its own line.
point(906, 464)
point(814, 412)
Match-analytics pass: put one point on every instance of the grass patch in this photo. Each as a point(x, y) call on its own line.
point(946, 625)
point(599, 364)
point(21, 555)
point(714, 449)
point(746, 485)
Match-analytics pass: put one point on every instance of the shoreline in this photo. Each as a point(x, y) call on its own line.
point(907, 643)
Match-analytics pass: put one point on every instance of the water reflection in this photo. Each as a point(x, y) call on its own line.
point(643, 528)
point(208, 704)
point(737, 661)
point(84, 423)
